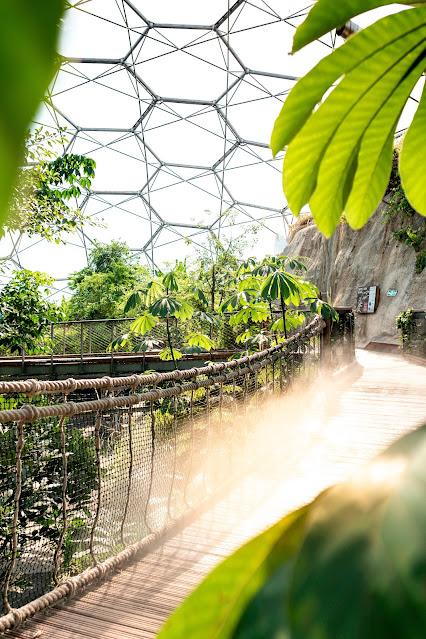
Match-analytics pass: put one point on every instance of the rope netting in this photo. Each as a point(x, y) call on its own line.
point(95, 471)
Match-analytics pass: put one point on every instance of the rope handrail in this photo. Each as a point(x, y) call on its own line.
point(90, 484)
point(33, 387)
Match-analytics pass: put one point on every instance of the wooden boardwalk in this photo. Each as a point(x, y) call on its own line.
point(304, 445)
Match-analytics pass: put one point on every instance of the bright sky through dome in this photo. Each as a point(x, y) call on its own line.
point(183, 179)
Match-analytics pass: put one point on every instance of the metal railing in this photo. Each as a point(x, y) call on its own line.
point(92, 337)
point(95, 472)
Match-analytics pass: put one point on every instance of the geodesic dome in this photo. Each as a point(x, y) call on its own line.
point(176, 103)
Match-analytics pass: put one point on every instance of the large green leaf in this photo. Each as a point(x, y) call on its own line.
point(310, 89)
point(254, 312)
point(201, 340)
point(207, 317)
point(265, 616)
point(412, 162)
point(284, 285)
point(214, 609)
point(134, 300)
point(329, 152)
point(328, 14)
point(28, 35)
point(170, 281)
point(199, 295)
point(165, 306)
point(380, 108)
point(185, 311)
point(243, 297)
point(143, 324)
point(361, 571)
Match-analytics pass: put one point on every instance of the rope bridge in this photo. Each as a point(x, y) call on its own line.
point(96, 472)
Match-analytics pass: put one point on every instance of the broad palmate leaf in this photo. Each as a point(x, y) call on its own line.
point(216, 606)
point(339, 156)
point(201, 340)
point(143, 324)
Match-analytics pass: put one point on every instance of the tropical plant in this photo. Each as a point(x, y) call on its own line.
point(41, 516)
point(40, 199)
point(25, 313)
point(29, 33)
point(217, 261)
point(339, 154)
point(160, 301)
point(262, 285)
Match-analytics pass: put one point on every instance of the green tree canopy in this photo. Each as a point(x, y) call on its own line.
point(25, 312)
point(100, 289)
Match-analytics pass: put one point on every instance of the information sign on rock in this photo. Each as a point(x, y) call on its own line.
point(367, 299)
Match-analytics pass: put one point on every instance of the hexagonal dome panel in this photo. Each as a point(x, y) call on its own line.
point(176, 103)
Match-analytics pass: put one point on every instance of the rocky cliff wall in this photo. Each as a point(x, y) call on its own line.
point(368, 257)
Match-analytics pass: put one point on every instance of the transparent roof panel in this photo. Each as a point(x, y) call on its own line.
point(175, 102)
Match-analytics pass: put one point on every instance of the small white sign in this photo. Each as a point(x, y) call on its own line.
point(392, 292)
point(371, 299)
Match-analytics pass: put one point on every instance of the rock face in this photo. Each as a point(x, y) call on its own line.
point(368, 257)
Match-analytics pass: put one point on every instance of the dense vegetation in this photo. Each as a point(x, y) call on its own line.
point(400, 207)
point(100, 288)
point(25, 313)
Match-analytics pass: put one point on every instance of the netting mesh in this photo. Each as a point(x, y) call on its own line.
point(87, 473)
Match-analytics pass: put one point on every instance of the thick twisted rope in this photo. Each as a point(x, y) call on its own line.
point(229, 371)
point(32, 387)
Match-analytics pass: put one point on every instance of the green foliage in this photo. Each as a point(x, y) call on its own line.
point(161, 300)
point(339, 155)
point(252, 312)
point(400, 206)
point(250, 304)
point(255, 340)
point(39, 200)
point(259, 286)
point(170, 353)
point(144, 323)
point(38, 204)
point(398, 202)
point(281, 285)
point(200, 340)
point(405, 323)
point(420, 261)
point(324, 309)
point(29, 33)
point(349, 564)
point(217, 263)
point(40, 519)
point(207, 317)
point(100, 288)
point(410, 236)
point(25, 313)
point(360, 569)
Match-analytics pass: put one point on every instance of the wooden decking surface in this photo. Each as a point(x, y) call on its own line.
point(310, 443)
